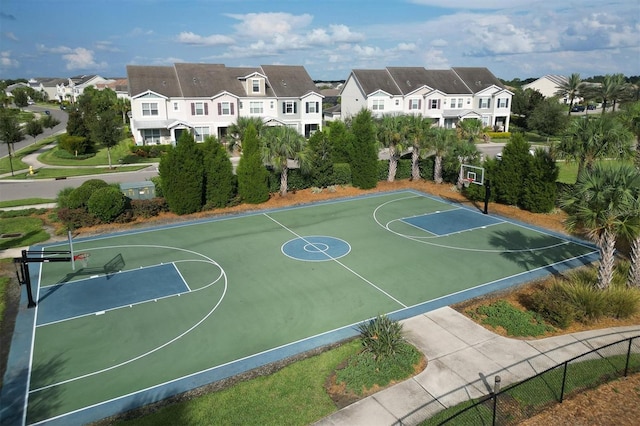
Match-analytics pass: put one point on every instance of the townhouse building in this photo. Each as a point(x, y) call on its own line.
point(71, 88)
point(206, 99)
point(445, 96)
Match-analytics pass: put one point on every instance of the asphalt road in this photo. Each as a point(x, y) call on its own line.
point(55, 111)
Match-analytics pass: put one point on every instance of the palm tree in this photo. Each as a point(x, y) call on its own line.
point(440, 142)
point(611, 89)
point(589, 139)
point(235, 132)
point(281, 144)
point(600, 204)
point(634, 271)
point(470, 129)
point(390, 130)
point(417, 130)
point(570, 89)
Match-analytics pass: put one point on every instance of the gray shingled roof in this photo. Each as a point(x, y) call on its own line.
point(205, 80)
point(447, 82)
point(477, 78)
point(158, 79)
point(372, 80)
point(289, 80)
point(409, 79)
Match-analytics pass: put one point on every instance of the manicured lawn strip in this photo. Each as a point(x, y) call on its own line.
point(568, 172)
point(5, 165)
point(25, 202)
point(29, 228)
point(119, 152)
point(47, 173)
point(294, 395)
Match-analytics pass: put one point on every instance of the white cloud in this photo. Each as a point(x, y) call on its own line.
point(188, 37)
point(58, 49)
point(267, 25)
point(9, 35)
point(106, 46)
point(81, 58)
point(475, 4)
point(6, 61)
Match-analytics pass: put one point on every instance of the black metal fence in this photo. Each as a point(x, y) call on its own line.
point(520, 401)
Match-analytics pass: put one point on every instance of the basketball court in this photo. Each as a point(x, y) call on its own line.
point(151, 313)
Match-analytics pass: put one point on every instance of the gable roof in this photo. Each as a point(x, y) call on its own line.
point(374, 80)
point(477, 79)
point(208, 80)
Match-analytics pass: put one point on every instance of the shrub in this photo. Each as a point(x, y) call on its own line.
point(63, 197)
point(381, 336)
point(341, 174)
point(622, 302)
point(514, 321)
point(590, 302)
point(149, 208)
point(75, 145)
point(76, 218)
point(106, 203)
point(78, 197)
point(554, 306)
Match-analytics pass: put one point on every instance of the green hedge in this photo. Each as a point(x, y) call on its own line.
point(498, 135)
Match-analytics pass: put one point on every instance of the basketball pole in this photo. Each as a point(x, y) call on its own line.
point(73, 258)
point(487, 195)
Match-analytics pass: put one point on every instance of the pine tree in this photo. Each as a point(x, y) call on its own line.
point(253, 186)
point(364, 155)
point(511, 171)
point(182, 176)
point(539, 188)
point(321, 159)
point(218, 175)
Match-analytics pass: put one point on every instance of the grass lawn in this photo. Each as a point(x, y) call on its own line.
point(27, 230)
point(25, 202)
point(294, 395)
point(47, 173)
point(119, 152)
point(5, 165)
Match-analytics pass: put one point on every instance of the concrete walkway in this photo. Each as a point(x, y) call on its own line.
point(463, 360)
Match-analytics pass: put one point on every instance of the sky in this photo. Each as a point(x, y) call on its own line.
point(512, 38)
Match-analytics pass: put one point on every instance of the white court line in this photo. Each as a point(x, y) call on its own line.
point(341, 264)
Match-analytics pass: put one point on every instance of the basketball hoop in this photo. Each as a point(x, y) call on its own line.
point(467, 182)
point(83, 258)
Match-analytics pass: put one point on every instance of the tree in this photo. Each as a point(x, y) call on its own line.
point(219, 182)
point(182, 176)
point(236, 131)
point(123, 106)
point(599, 204)
point(523, 104)
point(634, 270)
point(547, 118)
point(20, 97)
point(33, 128)
point(418, 131)
point(570, 89)
point(630, 119)
point(469, 129)
point(341, 141)
point(76, 125)
point(10, 132)
point(440, 142)
point(611, 89)
point(589, 139)
point(539, 184)
point(253, 186)
point(511, 170)
point(281, 144)
point(364, 154)
point(321, 159)
point(106, 128)
point(49, 121)
point(106, 203)
point(391, 135)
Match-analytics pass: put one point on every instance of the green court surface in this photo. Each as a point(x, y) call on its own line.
point(188, 304)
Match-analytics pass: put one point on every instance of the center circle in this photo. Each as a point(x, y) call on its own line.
point(317, 248)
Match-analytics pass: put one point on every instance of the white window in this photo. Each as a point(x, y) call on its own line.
point(312, 107)
point(149, 108)
point(460, 102)
point(486, 120)
point(255, 108)
point(414, 103)
point(289, 107)
point(199, 108)
point(255, 86)
point(225, 108)
point(201, 133)
point(151, 136)
point(378, 105)
point(434, 104)
point(271, 105)
point(485, 103)
point(176, 106)
point(503, 102)
point(397, 102)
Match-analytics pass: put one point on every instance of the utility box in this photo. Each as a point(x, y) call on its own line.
point(139, 190)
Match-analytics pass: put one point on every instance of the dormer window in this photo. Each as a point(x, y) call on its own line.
point(255, 86)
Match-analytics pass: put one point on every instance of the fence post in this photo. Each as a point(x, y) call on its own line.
point(496, 390)
point(564, 380)
point(626, 365)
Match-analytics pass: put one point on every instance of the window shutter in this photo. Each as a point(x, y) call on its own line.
point(284, 107)
point(419, 103)
point(489, 103)
point(317, 106)
point(479, 103)
point(506, 103)
point(232, 109)
point(219, 108)
point(193, 108)
point(295, 107)
point(206, 108)
point(307, 107)
point(438, 103)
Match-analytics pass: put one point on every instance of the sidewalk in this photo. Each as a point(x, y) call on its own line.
point(463, 360)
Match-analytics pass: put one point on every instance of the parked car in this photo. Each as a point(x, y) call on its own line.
point(578, 108)
point(591, 107)
point(47, 112)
